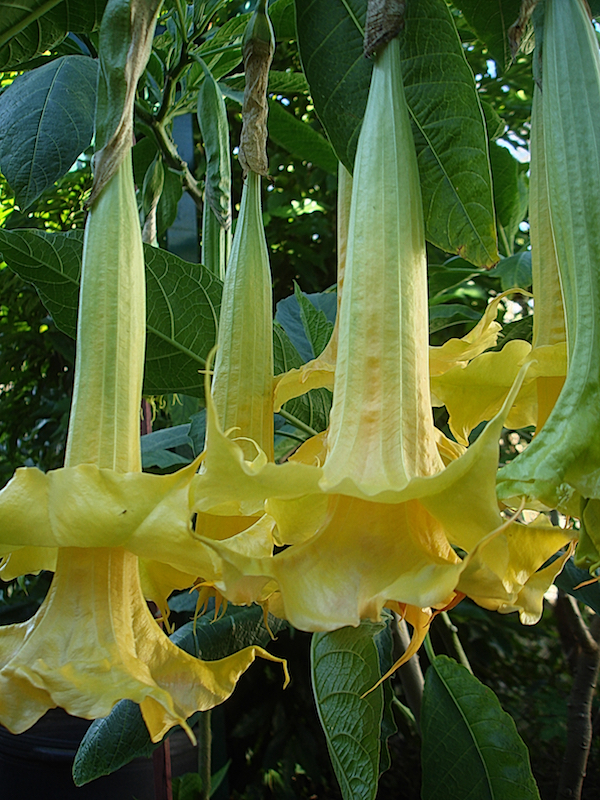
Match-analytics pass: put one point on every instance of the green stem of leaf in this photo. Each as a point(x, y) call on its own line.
point(429, 648)
point(169, 150)
point(27, 20)
point(204, 753)
point(298, 423)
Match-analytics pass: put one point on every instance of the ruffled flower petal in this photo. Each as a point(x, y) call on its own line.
point(475, 392)
point(93, 642)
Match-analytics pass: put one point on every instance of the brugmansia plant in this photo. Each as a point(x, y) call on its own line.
point(379, 518)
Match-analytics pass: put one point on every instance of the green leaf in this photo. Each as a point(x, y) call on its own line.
point(470, 747)
point(279, 83)
point(514, 272)
point(313, 408)
point(447, 314)
point(494, 123)
point(223, 51)
point(156, 447)
point(197, 432)
point(187, 787)
point(443, 278)
point(490, 20)
point(448, 123)
point(285, 354)
point(166, 211)
point(216, 215)
point(345, 665)
point(330, 39)
point(571, 577)
point(30, 27)
point(46, 121)
point(183, 303)
point(518, 329)
point(299, 139)
point(282, 17)
point(309, 327)
point(317, 327)
point(114, 741)
point(511, 194)
point(286, 82)
point(385, 649)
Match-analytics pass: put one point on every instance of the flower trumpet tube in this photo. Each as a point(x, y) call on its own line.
point(94, 641)
point(395, 511)
point(241, 396)
point(563, 461)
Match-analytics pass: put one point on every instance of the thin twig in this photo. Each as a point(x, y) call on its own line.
point(579, 718)
point(449, 635)
point(297, 423)
point(204, 753)
point(161, 761)
point(169, 151)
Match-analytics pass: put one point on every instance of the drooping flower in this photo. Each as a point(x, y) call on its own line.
point(561, 467)
point(474, 389)
point(94, 641)
point(376, 511)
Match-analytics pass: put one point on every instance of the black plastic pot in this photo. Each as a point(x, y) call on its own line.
point(38, 763)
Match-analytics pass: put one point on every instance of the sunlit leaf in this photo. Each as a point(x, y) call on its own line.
point(46, 121)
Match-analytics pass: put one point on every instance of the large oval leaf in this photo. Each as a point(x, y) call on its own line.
point(46, 121)
point(345, 665)
point(470, 747)
point(183, 302)
point(448, 123)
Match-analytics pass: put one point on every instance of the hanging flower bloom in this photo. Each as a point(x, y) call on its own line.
point(376, 510)
point(561, 467)
point(93, 640)
point(474, 390)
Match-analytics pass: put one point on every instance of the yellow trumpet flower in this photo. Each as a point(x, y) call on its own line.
point(561, 467)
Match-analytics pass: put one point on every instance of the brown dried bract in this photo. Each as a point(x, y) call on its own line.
point(385, 20)
point(518, 28)
point(106, 160)
point(253, 140)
